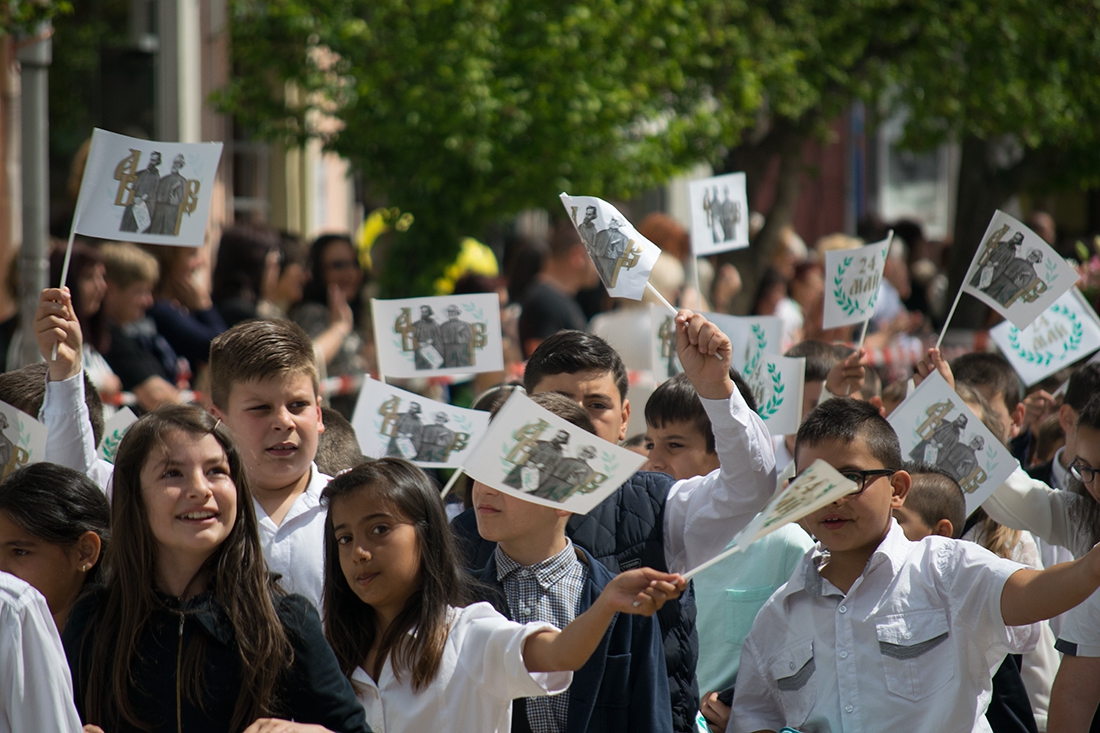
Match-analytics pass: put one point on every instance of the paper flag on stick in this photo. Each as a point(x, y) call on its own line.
point(750, 337)
point(662, 339)
point(719, 214)
point(534, 455)
point(852, 278)
point(22, 439)
point(935, 426)
point(450, 334)
point(392, 422)
point(113, 432)
point(1016, 273)
point(623, 257)
point(145, 191)
point(816, 487)
point(1065, 333)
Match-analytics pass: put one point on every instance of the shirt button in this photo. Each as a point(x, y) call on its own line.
point(792, 665)
point(525, 611)
point(844, 655)
point(848, 708)
point(843, 609)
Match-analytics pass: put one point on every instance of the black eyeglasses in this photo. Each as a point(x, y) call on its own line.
point(1084, 474)
point(860, 478)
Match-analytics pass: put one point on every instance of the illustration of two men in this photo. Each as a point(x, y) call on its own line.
point(156, 203)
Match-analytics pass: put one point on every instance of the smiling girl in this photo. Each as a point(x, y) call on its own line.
point(421, 659)
point(189, 631)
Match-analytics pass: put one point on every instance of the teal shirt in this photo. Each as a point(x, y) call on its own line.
point(730, 593)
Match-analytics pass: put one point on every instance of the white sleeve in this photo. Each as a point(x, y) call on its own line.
point(703, 513)
point(1022, 502)
point(36, 692)
point(755, 706)
point(976, 579)
point(70, 441)
point(490, 650)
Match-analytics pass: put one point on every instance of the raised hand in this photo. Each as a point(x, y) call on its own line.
point(56, 326)
point(642, 591)
point(933, 362)
point(846, 378)
point(705, 353)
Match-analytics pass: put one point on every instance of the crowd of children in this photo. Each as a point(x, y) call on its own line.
point(245, 568)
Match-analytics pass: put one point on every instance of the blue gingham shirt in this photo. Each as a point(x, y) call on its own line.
point(547, 591)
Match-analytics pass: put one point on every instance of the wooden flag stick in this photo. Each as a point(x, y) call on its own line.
point(660, 298)
point(65, 274)
point(450, 483)
point(862, 336)
point(950, 314)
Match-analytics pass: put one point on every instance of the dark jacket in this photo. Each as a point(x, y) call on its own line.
point(1043, 472)
point(623, 532)
point(312, 690)
point(622, 688)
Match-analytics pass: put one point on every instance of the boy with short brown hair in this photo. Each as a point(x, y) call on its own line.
point(264, 387)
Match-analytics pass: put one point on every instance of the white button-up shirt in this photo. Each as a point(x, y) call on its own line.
point(36, 691)
point(703, 513)
point(296, 548)
point(481, 672)
point(912, 646)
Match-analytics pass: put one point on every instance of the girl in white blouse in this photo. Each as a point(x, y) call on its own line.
point(395, 595)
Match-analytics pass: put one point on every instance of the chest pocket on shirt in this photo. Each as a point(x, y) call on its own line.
point(917, 655)
point(793, 671)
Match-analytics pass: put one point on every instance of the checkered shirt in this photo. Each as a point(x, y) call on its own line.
point(548, 591)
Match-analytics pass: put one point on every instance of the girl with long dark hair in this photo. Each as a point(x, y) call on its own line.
point(189, 631)
point(396, 612)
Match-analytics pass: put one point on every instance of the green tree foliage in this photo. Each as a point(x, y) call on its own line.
point(22, 16)
point(466, 111)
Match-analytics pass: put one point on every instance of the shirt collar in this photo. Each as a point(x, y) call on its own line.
point(1059, 474)
point(547, 573)
point(893, 550)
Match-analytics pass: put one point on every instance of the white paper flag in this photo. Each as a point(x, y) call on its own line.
point(145, 191)
point(22, 439)
point(532, 454)
point(623, 257)
point(750, 337)
point(935, 426)
point(1016, 273)
point(450, 334)
point(113, 431)
point(392, 422)
point(816, 487)
point(719, 214)
point(662, 339)
point(1065, 333)
point(777, 383)
point(852, 278)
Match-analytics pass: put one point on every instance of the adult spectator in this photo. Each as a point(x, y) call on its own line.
point(246, 269)
point(550, 305)
point(182, 308)
point(331, 309)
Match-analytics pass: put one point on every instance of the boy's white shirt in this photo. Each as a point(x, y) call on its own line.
point(37, 690)
point(874, 660)
point(703, 513)
point(294, 549)
point(481, 672)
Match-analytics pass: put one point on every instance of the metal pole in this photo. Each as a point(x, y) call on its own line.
point(34, 56)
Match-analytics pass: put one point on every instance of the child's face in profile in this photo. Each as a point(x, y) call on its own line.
point(275, 423)
point(857, 522)
point(678, 449)
point(912, 525)
point(379, 551)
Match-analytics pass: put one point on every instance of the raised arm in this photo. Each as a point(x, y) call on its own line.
point(1022, 502)
point(703, 514)
point(642, 591)
point(1037, 595)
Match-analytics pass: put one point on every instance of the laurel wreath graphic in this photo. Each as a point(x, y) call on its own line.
point(761, 344)
point(775, 401)
point(847, 304)
point(1043, 358)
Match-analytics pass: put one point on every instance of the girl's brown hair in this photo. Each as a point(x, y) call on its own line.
point(236, 574)
point(351, 626)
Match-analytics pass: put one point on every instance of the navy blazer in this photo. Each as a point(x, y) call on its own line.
point(623, 687)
